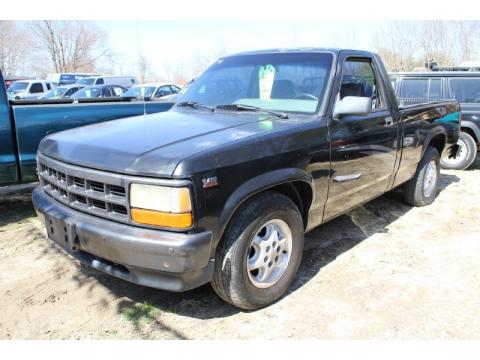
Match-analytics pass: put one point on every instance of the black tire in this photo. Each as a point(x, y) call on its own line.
point(413, 190)
point(468, 151)
point(231, 280)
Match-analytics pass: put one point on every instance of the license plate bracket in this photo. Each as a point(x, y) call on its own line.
point(60, 231)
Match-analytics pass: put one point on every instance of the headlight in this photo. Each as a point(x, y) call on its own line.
point(161, 205)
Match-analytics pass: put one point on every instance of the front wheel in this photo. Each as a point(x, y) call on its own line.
point(422, 189)
point(467, 151)
point(260, 253)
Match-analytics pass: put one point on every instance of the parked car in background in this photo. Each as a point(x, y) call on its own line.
point(178, 95)
point(62, 92)
point(59, 79)
point(99, 91)
point(23, 123)
point(28, 89)
point(464, 86)
point(263, 147)
point(125, 81)
point(152, 91)
point(10, 79)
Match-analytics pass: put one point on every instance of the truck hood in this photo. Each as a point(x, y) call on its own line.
point(153, 145)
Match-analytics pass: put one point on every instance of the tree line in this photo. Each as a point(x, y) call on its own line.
point(409, 45)
point(41, 47)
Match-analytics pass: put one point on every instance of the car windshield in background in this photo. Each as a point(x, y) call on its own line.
point(465, 90)
point(290, 82)
point(54, 93)
point(18, 86)
point(140, 91)
point(86, 81)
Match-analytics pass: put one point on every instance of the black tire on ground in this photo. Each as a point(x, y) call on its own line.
point(413, 190)
point(467, 154)
point(231, 279)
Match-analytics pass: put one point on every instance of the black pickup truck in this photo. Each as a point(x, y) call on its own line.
point(263, 147)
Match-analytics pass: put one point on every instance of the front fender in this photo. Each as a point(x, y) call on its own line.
point(258, 184)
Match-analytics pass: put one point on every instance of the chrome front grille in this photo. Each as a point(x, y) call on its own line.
point(99, 193)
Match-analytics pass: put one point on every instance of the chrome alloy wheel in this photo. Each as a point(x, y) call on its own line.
point(430, 178)
point(269, 253)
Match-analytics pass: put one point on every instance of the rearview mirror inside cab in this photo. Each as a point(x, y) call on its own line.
point(352, 105)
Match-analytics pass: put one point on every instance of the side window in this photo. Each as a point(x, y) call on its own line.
point(175, 89)
point(118, 91)
point(163, 91)
point(359, 79)
point(49, 87)
point(421, 88)
point(36, 88)
point(435, 89)
point(414, 88)
point(99, 81)
point(465, 90)
point(394, 82)
point(105, 91)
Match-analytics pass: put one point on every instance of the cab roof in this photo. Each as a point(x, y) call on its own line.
point(299, 50)
point(436, 74)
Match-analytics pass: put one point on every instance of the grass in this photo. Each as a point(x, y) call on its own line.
point(141, 314)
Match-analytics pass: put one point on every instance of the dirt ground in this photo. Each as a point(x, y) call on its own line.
point(383, 271)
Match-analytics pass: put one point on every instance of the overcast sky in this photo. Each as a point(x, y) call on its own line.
point(165, 42)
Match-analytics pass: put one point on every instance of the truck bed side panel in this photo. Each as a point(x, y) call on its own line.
point(33, 122)
point(421, 123)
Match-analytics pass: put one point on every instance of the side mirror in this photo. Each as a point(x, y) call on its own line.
point(352, 105)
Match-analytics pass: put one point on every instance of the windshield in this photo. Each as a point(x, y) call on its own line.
point(86, 81)
point(291, 82)
point(54, 93)
point(18, 86)
point(140, 91)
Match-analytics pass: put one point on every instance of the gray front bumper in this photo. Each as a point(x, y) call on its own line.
point(154, 258)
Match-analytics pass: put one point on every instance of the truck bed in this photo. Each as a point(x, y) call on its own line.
point(30, 121)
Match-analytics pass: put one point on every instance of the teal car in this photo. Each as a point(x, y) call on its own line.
point(24, 123)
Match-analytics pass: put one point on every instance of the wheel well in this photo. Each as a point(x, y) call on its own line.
point(438, 142)
point(471, 133)
point(300, 193)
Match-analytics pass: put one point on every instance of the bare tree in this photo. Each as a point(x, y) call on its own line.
point(466, 34)
point(436, 40)
point(406, 45)
point(69, 46)
point(14, 48)
point(397, 44)
point(144, 72)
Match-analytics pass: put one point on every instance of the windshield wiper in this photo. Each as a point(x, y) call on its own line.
point(194, 105)
point(237, 107)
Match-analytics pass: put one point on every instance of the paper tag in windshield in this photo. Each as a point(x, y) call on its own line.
point(265, 80)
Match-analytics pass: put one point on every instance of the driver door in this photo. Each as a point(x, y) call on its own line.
point(363, 148)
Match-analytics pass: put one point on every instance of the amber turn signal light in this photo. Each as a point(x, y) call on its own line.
point(158, 218)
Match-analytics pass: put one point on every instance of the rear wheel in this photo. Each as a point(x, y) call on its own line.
point(466, 154)
point(260, 253)
point(422, 189)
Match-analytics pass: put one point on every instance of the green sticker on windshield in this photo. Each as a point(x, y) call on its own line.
point(265, 81)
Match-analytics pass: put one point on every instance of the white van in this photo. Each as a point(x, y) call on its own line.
point(125, 81)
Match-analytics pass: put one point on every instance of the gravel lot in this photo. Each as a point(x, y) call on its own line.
point(383, 271)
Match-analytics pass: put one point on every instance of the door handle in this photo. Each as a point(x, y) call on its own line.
point(388, 121)
point(350, 177)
